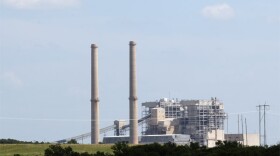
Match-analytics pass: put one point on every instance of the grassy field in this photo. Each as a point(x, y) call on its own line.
point(38, 149)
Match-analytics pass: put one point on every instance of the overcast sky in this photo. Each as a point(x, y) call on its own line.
point(186, 49)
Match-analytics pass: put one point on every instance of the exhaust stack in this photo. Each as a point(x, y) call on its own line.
point(133, 139)
point(94, 95)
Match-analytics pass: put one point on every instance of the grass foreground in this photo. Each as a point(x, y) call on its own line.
point(39, 149)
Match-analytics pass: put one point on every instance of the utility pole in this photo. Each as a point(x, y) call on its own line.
point(238, 123)
point(264, 131)
point(260, 125)
point(260, 122)
point(242, 129)
point(246, 132)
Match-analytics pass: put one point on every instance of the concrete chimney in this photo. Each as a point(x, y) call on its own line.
point(133, 120)
point(94, 95)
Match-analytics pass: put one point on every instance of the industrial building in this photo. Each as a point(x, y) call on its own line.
point(244, 139)
point(199, 121)
point(203, 120)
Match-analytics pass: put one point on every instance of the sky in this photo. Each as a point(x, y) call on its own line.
point(186, 49)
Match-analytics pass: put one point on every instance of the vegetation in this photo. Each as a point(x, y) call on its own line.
point(57, 150)
point(39, 149)
point(72, 141)
point(155, 149)
point(171, 149)
point(13, 141)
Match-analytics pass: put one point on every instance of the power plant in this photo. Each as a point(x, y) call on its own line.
point(164, 120)
point(199, 121)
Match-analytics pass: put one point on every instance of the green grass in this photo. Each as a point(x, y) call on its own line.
point(39, 149)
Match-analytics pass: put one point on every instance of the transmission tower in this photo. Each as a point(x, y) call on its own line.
point(260, 108)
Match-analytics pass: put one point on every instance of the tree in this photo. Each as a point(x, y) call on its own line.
point(57, 150)
point(121, 149)
point(72, 141)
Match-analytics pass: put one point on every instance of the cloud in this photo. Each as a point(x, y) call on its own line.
point(40, 4)
point(218, 11)
point(11, 79)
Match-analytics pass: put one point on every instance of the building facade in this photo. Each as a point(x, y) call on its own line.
point(203, 120)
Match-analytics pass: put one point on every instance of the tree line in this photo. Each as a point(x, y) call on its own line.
point(13, 141)
point(224, 148)
point(168, 149)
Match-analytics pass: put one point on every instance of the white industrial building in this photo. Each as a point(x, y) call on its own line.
point(244, 139)
point(203, 120)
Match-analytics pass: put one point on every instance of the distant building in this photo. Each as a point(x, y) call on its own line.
point(244, 139)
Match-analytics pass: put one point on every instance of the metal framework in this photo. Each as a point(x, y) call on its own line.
point(194, 117)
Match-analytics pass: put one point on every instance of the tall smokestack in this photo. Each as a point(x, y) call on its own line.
point(132, 95)
point(94, 95)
